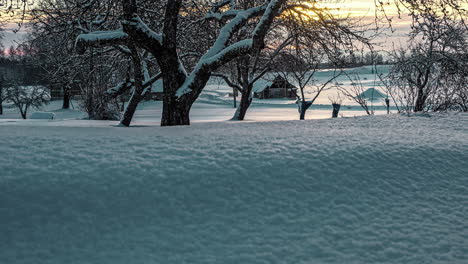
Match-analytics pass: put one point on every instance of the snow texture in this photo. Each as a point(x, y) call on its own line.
point(379, 189)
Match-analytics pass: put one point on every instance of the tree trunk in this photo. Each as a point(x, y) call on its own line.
point(138, 92)
point(130, 109)
point(66, 98)
point(420, 101)
point(419, 106)
point(175, 114)
point(303, 106)
point(23, 113)
point(234, 94)
point(336, 110)
point(241, 111)
point(387, 103)
point(302, 114)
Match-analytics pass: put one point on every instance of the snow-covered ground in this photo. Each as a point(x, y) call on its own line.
point(149, 112)
point(379, 189)
point(214, 104)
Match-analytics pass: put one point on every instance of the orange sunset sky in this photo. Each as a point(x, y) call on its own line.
point(357, 9)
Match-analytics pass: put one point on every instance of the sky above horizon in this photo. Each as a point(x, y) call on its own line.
point(357, 9)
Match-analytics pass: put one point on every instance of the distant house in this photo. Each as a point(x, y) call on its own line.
point(278, 88)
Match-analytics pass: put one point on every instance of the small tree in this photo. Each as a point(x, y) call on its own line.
point(25, 97)
point(317, 41)
point(247, 70)
point(302, 64)
point(336, 104)
point(436, 57)
point(356, 92)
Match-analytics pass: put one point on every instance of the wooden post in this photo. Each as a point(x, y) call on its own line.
point(387, 102)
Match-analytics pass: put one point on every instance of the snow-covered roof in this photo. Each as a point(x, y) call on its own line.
point(260, 85)
point(372, 94)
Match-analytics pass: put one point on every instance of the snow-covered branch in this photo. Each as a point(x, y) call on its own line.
point(138, 27)
point(206, 65)
point(120, 88)
point(101, 38)
point(232, 27)
point(220, 53)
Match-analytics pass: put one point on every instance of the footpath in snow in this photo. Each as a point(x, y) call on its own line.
point(379, 189)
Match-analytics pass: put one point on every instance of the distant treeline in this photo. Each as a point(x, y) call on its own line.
point(342, 61)
point(20, 72)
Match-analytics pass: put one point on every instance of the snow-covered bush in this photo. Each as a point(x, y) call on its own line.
point(100, 106)
point(431, 74)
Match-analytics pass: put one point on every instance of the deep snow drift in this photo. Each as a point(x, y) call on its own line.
point(381, 189)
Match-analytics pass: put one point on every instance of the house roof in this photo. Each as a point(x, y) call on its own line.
point(278, 82)
point(261, 85)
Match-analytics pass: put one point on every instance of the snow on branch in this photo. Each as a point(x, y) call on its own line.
point(210, 63)
point(232, 27)
point(120, 88)
point(141, 27)
point(221, 53)
point(227, 53)
point(265, 22)
point(129, 84)
point(100, 38)
point(221, 16)
point(148, 84)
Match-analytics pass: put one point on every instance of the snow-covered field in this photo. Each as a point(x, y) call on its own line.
point(379, 189)
point(214, 104)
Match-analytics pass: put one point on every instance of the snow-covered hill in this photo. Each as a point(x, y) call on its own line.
point(381, 189)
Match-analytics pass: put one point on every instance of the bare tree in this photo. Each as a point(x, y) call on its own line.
point(317, 29)
point(245, 71)
point(181, 89)
point(55, 26)
point(356, 91)
point(437, 53)
point(25, 97)
point(301, 63)
point(336, 104)
point(319, 38)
